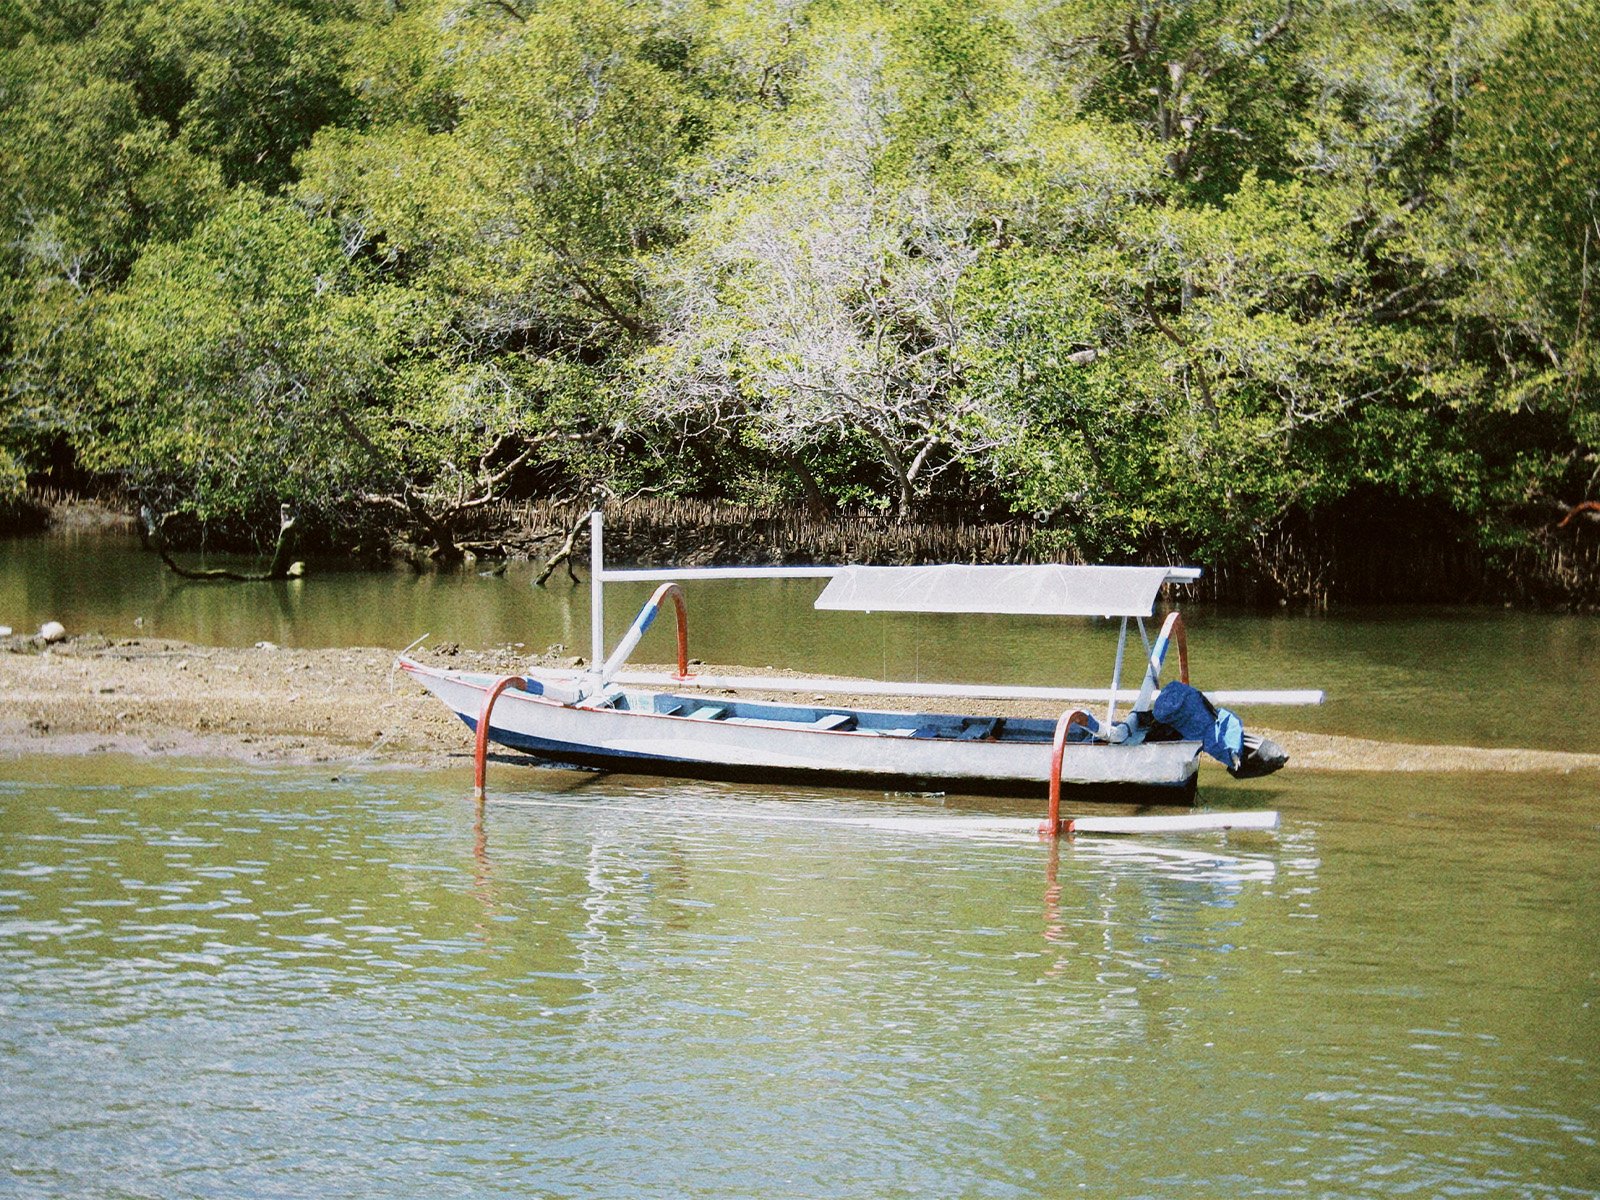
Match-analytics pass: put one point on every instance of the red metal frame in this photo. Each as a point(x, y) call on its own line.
point(1054, 826)
point(480, 750)
point(676, 592)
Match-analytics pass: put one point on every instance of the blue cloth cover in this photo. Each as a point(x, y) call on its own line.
point(1219, 732)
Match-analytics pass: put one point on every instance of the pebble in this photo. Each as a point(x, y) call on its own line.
point(5, 631)
point(52, 631)
point(265, 646)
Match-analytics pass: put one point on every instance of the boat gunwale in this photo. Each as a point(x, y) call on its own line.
point(483, 681)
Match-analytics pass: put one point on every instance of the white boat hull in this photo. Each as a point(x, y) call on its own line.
point(888, 749)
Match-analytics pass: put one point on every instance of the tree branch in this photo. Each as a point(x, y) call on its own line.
point(564, 554)
point(1177, 339)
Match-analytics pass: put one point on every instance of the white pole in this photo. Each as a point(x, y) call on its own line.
point(597, 603)
point(1187, 823)
point(680, 574)
point(953, 691)
point(1116, 675)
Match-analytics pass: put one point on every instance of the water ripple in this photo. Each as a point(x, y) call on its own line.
point(255, 984)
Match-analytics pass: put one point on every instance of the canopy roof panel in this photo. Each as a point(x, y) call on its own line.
point(1049, 590)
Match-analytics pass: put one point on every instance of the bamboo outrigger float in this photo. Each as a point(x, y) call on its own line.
point(655, 722)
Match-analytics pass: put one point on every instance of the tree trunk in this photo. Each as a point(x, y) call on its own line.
point(897, 466)
point(816, 502)
point(439, 530)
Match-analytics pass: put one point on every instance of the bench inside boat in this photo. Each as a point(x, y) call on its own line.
point(950, 726)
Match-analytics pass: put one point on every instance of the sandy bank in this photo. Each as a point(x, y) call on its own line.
point(349, 707)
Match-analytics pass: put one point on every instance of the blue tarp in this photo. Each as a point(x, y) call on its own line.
point(1218, 731)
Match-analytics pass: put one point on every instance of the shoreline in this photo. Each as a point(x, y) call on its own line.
point(1550, 574)
point(349, 707)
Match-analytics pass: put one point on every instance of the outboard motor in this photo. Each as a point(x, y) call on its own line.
point(1220, 733)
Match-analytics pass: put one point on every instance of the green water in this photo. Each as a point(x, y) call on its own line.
point(1470, 676)
point(221, 982)
point(224, 982)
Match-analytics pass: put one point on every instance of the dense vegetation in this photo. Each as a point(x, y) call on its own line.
point(1177, 273)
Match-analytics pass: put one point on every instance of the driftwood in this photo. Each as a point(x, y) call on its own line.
point(563, 557)
point(564, 554)
point(279, 568)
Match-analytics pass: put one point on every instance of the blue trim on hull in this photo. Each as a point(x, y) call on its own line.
point(561, 753)
point(571, 754)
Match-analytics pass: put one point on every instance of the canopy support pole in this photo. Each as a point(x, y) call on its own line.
point(1116, 674)
point(597, 602)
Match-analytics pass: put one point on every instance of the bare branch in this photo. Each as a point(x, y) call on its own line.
point(564, 554)
point(510, 9)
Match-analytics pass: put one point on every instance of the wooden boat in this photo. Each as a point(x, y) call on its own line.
point(656, 723)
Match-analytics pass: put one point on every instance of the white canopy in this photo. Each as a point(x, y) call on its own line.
point(1050, 590)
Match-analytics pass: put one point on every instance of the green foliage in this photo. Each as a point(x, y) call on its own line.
point(1531, 188)
point(578, 135)
point(1177, 273)
point(234, 362)
point(13, 481)
point(1212, 82)
point(246, 82)
point(952, 79)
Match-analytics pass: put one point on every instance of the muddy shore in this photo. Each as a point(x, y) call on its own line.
point(350, 707)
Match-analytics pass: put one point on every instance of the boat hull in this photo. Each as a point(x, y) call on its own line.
point(887, 751)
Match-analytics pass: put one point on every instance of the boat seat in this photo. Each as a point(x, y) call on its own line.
point(709, 712)
point(835, 721)
point(971, 729)
point(668, 706)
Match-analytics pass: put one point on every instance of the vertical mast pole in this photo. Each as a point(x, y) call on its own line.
point(597, 603)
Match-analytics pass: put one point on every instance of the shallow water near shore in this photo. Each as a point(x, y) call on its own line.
point(1463, 676)
point(221, 982)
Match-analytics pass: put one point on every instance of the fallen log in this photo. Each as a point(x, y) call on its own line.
point(280, 568)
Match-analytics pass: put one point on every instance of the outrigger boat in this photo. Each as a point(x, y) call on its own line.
point(655, 722)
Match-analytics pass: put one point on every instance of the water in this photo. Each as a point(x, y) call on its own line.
point(218, 981)
point(1470, 676)
point(225, 982)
